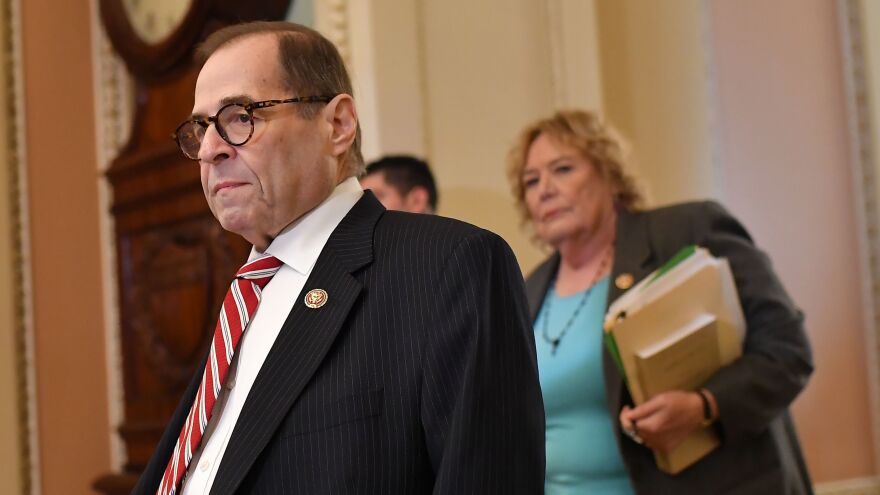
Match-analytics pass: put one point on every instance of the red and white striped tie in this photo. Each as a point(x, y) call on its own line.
point(239, 306)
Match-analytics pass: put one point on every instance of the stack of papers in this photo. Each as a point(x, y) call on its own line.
point(673, 331)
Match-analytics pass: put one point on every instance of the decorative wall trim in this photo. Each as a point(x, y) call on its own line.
point(424, 90)
point(855, 486)
point(15, 142)
point(553, 20)
point(331, 19)
point(864, 168)
point(114, 105)
point(572, 34)
point(712, 104)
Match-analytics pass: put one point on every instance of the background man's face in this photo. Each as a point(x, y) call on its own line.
point(287, 167)
point(385, 192)
point(414, 201)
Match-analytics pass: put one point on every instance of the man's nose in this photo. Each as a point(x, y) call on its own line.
point(214, 148)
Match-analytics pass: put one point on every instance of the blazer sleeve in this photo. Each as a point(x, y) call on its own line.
point(776, 360)
point(481, 405)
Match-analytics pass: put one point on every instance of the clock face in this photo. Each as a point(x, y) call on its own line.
point(154, 20)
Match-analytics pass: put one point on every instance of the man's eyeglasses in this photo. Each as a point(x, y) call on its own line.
point(234, 123)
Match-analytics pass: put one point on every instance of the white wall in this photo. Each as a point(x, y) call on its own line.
point(787, 176)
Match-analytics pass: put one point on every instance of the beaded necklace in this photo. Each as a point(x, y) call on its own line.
point(554, 342)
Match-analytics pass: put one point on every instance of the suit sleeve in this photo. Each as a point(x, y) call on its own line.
point(481, 405)
point(776, 360)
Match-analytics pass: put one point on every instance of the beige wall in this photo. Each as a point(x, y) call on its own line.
point(655, 66)
point(787, 176)
point(459, 88)
point(487, 72)
point(67, 292)
point(391, 97)
point(455, 81)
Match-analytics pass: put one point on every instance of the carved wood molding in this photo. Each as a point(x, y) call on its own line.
point(864, 169)
point(14, 144)
point(189, 257)
point(114, 98)
point(331, 19)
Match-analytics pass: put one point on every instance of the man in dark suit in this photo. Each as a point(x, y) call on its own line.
point(382, 352)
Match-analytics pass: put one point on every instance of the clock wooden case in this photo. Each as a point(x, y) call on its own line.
point(174, 261)
point(155, 36)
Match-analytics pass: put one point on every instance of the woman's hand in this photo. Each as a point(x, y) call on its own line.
point(666, 420)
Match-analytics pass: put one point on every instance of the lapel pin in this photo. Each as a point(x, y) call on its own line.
point(316, 298)
point(624, 281)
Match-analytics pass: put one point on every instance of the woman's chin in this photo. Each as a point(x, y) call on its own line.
point(556, 232)
point(552, 239)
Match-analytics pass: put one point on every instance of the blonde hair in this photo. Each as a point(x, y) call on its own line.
point(590, 137)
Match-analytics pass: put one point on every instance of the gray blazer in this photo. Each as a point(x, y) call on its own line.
point(760, 453)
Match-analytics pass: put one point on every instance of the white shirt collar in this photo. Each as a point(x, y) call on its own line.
point(300, 243)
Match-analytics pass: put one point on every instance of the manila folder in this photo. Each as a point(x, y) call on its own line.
point(683, 360)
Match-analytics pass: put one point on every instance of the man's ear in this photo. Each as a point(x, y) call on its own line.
point(416, 200)
point(342, 116)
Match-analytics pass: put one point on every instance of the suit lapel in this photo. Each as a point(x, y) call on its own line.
point(632, 250)
point(303, 342)
point(633, 256)
point(539, 283)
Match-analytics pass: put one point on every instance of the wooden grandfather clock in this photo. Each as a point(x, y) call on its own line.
point(174, 261)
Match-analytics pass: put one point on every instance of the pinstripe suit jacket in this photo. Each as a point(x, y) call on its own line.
point(418, 376)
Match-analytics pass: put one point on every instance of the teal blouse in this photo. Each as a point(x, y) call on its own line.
point(582, 453)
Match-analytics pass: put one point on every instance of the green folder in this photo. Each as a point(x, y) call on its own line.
point(680, 256)
point(611, 345)
point(608, 338)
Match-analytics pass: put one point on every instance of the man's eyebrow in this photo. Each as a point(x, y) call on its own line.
point(242, 98)
point(245, 99)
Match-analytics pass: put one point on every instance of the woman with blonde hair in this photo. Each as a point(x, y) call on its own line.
point(567, 175)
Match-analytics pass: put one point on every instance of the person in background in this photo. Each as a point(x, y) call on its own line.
point(567, 175)
point(402, 183)
point(359, 350)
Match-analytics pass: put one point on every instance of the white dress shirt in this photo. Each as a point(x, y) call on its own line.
point(298, 247)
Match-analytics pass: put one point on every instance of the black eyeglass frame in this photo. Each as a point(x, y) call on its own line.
point(249, 108)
